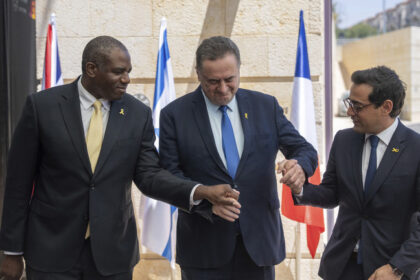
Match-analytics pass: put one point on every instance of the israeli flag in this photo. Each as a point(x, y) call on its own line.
point(159, 218)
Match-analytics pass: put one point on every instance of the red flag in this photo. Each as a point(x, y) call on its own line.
point(52, 75)
point(313, 217)
point(303, 118)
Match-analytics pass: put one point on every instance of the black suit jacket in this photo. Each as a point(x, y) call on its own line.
point(187, 149)
point(49, 151)
point(382, 215)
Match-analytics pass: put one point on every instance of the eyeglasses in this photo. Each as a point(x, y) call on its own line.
point(356, 107)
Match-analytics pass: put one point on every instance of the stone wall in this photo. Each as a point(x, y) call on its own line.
point(398, 50)
point(265, 31)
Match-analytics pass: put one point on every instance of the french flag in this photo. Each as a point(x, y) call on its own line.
point(302, 116)
point(159, 218)
point(52, 69)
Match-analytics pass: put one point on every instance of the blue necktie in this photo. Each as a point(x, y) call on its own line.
point(374, 140)
point(229, 143)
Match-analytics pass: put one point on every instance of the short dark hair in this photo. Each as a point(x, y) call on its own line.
point(98, 50)
point(214, 48)
point(386, 85)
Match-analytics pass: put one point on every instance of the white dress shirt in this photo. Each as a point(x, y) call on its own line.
point(384, 139)
point(87, 109)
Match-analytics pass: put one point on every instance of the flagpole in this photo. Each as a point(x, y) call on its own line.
point(298, 252)
point(173, 276)
point(328, 96)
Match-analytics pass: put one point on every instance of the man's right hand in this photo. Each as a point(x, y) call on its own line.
point(221, 194)
point(224, 200)
point(11, 268)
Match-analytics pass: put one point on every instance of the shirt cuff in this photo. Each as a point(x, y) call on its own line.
point(192, 201)
point(299, 195)
point(13, 253)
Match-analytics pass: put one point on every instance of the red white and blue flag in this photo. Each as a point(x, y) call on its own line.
point(52, 69)
point(303, 118)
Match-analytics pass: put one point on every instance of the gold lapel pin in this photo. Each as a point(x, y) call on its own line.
point(122, 112)
point(395, 150)
point(246, 115)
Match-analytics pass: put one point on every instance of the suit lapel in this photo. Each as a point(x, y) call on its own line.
point(203, 124)
point(388, 161)
point(245, 110)
point(115, 122)
point(70, 108)
point(356, 154)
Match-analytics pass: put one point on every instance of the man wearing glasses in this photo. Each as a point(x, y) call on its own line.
point(373, 174)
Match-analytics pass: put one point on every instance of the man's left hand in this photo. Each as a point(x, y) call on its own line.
point(227, 212)
point(384, 273)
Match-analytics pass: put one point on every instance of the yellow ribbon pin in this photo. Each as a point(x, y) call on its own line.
point(395, 150)
point(246, 115)
point(122, 112)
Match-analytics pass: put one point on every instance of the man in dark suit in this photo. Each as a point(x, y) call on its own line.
point(79, 222)
point(223, 134)
point(373, 174)
point(415, 222)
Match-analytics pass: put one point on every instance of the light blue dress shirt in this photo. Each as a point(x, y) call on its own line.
point(215, 117)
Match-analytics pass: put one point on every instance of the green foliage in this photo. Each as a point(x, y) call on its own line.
point(360, 30)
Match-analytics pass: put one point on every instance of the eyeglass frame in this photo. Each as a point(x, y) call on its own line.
point(348, 103)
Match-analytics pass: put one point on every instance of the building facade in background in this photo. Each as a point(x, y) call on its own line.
point(398, 50)
point(402, 15)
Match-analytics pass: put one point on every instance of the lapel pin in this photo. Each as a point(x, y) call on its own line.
point(395, 150)
point(246, 115)
point(122, 112)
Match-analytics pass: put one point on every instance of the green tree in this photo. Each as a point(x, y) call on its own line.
point(360, 30)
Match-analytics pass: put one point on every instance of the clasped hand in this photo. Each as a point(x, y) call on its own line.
point(293, 175)
point(11, 268)
point(384, 272)
point(224, 200)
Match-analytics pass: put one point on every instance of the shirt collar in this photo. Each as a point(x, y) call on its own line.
point(232, 105)
point(87, 99)
point(386, 135)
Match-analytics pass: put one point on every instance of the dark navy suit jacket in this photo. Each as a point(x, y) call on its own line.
point(187, 149)
point(382, 215)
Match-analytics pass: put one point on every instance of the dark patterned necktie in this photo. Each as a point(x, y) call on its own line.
point(374, 140)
